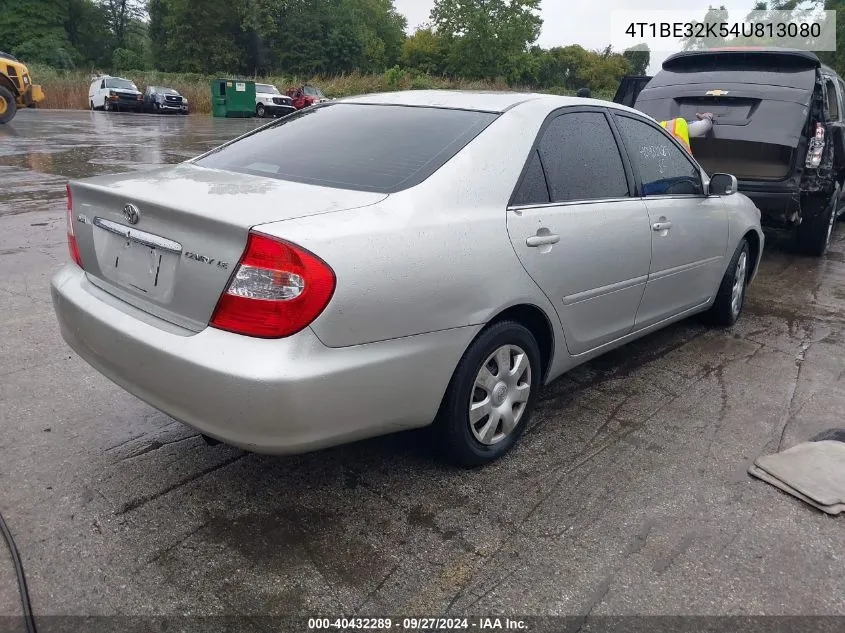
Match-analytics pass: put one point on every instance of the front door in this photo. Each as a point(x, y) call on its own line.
point(579, 233)
point(689, 230)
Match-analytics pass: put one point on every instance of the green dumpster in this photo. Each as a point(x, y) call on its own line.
point(233, 98)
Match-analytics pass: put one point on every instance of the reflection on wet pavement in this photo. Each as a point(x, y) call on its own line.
point(40, 150)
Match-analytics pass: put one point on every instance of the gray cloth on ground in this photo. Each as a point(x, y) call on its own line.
point(812, 471)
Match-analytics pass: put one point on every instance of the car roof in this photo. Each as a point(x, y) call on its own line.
point(482, 101)
point(496, 102)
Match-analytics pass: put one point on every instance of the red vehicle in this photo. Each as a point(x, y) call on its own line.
point(305, 96)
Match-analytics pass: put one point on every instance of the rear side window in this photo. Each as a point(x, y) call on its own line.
point(532, 189)
point(354, 146)
point(832, 100)
point(581, 158)
point(664, 168)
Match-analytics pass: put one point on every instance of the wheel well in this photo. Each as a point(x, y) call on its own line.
point(8, 83)
point(537, 323)
point(753, 246)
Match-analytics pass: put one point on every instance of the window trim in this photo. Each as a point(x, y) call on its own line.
point(535, 146)
point(639, 182)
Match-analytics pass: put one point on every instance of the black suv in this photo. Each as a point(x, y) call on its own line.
point(778, 127)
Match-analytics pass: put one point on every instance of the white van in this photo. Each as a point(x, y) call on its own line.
point(114, 93)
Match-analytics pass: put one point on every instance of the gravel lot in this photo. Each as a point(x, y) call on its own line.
point(627, 495)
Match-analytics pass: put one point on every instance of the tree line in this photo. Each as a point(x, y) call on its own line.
point(472, 39)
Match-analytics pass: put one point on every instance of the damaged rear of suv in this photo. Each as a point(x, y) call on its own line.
point(778, 127)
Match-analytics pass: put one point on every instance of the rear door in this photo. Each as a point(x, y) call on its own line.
point(578, 231)
point(689, 230)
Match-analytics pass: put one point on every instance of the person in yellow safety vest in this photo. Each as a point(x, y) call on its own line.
point(684, 130)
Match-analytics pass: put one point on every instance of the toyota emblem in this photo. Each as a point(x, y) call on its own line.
point(131, 213)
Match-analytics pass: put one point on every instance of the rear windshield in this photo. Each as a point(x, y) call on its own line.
point(378, 148)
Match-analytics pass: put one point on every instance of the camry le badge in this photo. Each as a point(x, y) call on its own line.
point(204, 259)
point(131, 213)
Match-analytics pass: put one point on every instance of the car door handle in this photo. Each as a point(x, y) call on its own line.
point(661, 226)
point(542, 240)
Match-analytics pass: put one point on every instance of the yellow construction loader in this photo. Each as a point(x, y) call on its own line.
point(16, 88)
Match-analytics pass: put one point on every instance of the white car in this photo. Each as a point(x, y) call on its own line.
point(114, 93)
point(269, 101)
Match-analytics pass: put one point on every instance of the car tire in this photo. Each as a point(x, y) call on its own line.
point(91, 103)
point(106, 105)
point(156, 108)
point(814, 232)
point(473, 426)
point(8, 106)
point(260, 112)
point(730, 298)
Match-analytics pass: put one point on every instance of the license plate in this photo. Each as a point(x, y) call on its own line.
point(133, 261)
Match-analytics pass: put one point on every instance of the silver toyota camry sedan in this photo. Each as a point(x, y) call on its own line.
point(423, 258)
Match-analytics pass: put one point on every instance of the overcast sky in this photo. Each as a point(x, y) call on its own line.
point(584, 22)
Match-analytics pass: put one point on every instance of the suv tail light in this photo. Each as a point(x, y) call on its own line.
point(814, 152)
point(72, 246)
point(277, 290)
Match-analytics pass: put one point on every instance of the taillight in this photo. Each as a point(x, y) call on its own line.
point(72, 246)
point(277, 290)
point(814, 152)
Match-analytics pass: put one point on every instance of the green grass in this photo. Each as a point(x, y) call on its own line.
point(69, 89)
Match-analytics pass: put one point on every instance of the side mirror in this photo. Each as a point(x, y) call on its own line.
point(722, 185)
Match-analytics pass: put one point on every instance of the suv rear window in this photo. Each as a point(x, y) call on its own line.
point(380, 148)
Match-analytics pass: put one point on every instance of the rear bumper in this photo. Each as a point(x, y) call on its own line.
point(777, 201)
point(274, 396)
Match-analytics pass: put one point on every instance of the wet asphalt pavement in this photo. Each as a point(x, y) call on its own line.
point(627, 495)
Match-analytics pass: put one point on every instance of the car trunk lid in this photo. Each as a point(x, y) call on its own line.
point(167, 241)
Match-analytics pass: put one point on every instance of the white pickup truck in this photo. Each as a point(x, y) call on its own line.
point(269, 101)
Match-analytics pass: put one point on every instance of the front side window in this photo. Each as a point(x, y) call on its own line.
point(581, 159)
point(376, 148)
point(664, 168)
